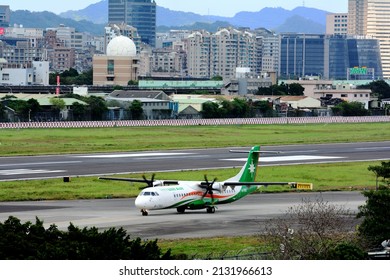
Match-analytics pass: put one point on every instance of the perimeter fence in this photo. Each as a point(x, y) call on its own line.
point(195, 122)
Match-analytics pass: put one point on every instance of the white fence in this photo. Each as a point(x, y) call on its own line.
point(212, 122)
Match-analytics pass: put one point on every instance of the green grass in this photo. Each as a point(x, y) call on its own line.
point(212, 246)
point(87, 140)
point(325, 177)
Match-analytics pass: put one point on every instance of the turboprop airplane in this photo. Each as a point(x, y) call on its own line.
point(195, 195)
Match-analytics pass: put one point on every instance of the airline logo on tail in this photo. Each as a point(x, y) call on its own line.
point(250, 169)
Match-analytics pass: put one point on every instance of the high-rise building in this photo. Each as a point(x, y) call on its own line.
point(5, 13)
point(337, 24)
point(219, 54)
point(371, 18)
point(329, 57)
point(140, 14)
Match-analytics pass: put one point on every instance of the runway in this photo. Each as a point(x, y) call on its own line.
point(244, 217)
point(56, 166)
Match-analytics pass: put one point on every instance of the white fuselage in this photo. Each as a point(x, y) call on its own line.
point(184, 193)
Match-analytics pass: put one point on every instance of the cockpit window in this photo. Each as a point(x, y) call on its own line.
point(149, 194)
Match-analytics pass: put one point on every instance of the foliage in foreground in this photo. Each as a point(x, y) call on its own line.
point(313, 231)
point(376, 212)
point(32, 241)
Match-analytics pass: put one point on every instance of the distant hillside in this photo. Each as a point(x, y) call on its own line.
point(96, 13)
point(303, 18)
point(211, 27)
point(47, 19)
point(93, 18)
point(298, 24)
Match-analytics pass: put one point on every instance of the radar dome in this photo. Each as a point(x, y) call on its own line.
point(121, 46)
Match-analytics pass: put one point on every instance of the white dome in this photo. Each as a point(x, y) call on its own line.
point(121, 46)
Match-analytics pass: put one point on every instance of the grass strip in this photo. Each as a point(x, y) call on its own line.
point(90, 140)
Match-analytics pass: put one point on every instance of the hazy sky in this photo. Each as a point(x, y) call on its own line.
point(204, 7)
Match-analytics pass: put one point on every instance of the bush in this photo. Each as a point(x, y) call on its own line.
point(310, 231)
point(32, 241)
point(376, 212)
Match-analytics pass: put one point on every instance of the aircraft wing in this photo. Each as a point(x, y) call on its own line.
point(123, 179)
point(136, 180)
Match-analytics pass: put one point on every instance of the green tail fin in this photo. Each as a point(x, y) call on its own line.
point(249, 170)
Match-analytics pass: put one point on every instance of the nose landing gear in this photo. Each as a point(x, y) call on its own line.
point(144, 212)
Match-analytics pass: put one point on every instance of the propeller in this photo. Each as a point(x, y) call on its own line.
point(149, 183)
point(208, 186)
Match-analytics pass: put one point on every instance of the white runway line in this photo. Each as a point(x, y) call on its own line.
point(135, 155)
point(286, 158)
point(11, 172)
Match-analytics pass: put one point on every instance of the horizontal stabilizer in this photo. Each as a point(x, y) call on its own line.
point(293, 185)
point(259, 152)
point(257, 183)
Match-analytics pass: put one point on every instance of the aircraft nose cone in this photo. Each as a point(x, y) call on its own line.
point(140, 202)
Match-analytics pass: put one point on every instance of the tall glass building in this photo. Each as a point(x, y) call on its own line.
point(140, 14)
point(329, 57)
point(4, 15)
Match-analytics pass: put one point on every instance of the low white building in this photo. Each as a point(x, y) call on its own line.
point(35, 74)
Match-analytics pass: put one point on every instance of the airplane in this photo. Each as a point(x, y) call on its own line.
point(195, 195)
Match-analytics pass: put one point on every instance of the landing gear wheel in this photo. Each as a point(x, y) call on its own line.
point(144, 212)
point(181, 210)
point(211, 210)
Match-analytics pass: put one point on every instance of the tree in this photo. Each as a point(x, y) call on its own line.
point(79, 111)
point(375, 213)
point(379, 87)
point(381, 171)
point(58, 105)
point(33, 108)
point(263, 107)
point(2, 112)
point(210, 110)
point(97, 107)
point(240, 108)
point(217, 78)
point(30, 241)
point(21, 107)
point(296, 89)
point(310, 230)
point(137, 112)
point(348, 109)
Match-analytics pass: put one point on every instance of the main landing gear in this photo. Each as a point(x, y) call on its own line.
point(144, 212)
point(209, 209)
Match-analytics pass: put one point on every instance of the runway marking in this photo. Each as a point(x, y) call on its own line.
point(40, 163)
point(286, 158)
point(11, 172)
point(373, 148)
point(135, 155)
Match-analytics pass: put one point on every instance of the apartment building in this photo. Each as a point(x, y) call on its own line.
point(371, 18)
point(219, 54)
point(5, 13)
point(113, 30)
point(337, 24)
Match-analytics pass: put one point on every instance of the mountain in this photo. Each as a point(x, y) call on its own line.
point(47, 19)
point(298, 24)
point(93, 18)
point(303, 18)
point(96, 13)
